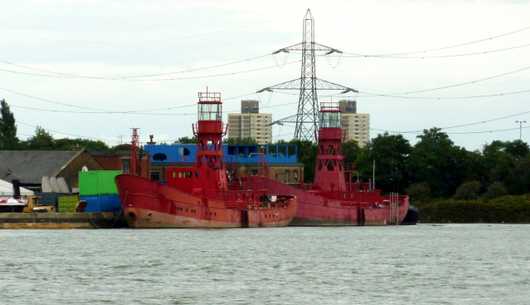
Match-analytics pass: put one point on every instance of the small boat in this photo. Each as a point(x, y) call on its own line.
point(10, 204)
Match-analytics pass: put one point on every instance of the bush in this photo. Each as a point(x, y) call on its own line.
point(504, 209)
point(496, 189)
point(468, 190)
point(419, 191)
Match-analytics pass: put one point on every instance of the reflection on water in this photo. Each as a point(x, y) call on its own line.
point(424, 264)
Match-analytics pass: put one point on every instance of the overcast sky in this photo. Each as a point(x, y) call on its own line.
point(86, 40)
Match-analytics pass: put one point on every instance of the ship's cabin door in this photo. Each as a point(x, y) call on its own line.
point(244, 218)
point(361, 218)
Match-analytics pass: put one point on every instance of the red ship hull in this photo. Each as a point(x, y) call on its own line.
point(149, 204)
point(352, 209)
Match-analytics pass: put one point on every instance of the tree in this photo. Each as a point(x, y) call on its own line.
point(517, 149)
point(437, 161)
point(496, 189)
point(468, 190)
point(307, 153)
point(77, 144)
point(390, 154)
point(509, 163)
point(186, 140)
point(351, 151)
point(419, 191)
point(8, 128)
point(240, 141)
point(42, 140)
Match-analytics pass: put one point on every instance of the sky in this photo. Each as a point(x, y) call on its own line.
point(74, 67)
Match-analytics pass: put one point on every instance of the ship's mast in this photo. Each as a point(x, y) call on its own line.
point(329, 168)
point(135, 143)
point(209, 132)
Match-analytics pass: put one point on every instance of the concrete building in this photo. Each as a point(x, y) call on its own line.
point(250, 123)
point(355, 126)
point(348, 106)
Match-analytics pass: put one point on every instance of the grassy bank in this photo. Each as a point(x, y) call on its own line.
point(505, 209)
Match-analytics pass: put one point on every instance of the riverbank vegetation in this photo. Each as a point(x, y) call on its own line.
point(447, 182)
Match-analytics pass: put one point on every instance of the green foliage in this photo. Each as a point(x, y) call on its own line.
point(351, 151)
point(8, 129)
point(242, 141)
point(420, 191)
point(509, 163)
point(509, 209)
point(121, 148)
point(436, 160)
point(390, 154)
point(77, 144)
point(468, 190)
point(42, 140)
point(496, 189)
point(186, 140)
point(307, 153)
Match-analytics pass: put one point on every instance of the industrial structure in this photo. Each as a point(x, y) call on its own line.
point(250, 123)
point(308, 85)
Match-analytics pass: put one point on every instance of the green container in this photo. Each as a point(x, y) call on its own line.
point(98, 182)
point(67, 203)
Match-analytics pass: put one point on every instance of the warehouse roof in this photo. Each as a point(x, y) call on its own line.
point(29, 166)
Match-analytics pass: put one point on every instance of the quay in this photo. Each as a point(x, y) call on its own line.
point(54, 220)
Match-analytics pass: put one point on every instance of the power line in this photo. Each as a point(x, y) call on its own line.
point(488, 131)
point(123, 77)
point(471, 82)
point(98, 112)
point(46, 100)
point(454, 132)
point(466, 124)
point(443, 47)
point(374, 94)
point(56, 131)
point(157, 79)
point(438, 56)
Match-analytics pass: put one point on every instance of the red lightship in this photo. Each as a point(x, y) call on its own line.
point(200, 196)
point(334, 200)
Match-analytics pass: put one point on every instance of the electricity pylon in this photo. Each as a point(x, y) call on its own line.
point(308, 84)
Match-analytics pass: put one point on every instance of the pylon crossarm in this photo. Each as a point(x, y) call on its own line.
point(307, 45)
point(322, 84)
point(293, 84)
point(287, 119)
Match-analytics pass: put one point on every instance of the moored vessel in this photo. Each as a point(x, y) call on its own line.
point(201, 196)
point(334, 198)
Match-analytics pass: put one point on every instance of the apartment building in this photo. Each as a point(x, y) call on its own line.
point(355, 126)
point(250, 123)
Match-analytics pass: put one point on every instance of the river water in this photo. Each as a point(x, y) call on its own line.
point(423, 264)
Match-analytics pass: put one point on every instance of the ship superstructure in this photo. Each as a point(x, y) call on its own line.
point(334, 198)
point(200, 196)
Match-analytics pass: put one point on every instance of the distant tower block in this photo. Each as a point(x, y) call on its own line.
point(249, 106)
point(250, 123)
point(308, 84)
point(348, 106)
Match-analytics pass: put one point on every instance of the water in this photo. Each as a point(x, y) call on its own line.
point(424, 264)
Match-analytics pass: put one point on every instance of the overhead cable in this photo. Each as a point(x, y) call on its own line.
point(51, 73)
point(443, 47)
